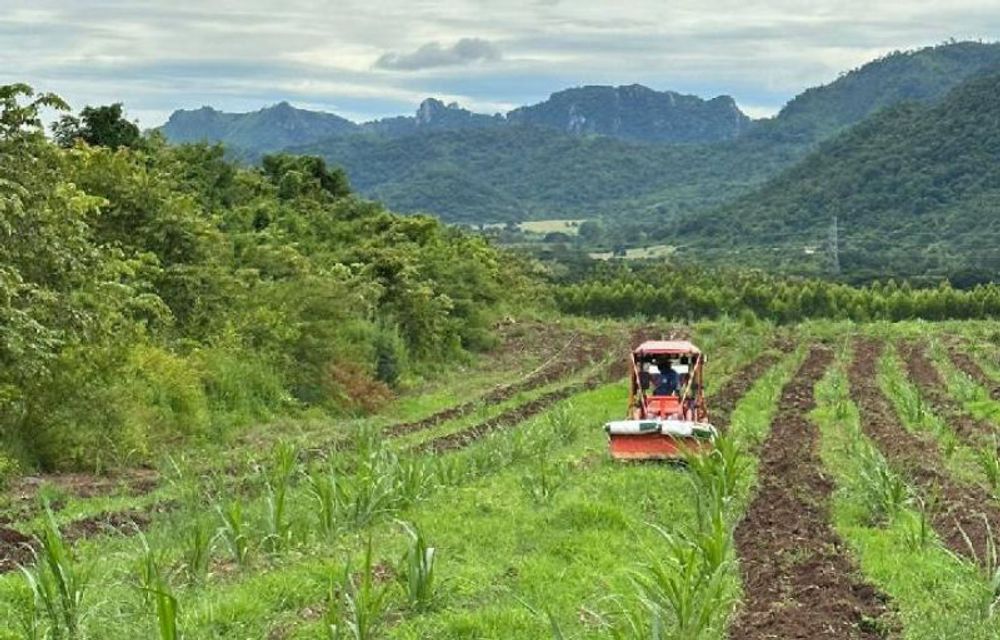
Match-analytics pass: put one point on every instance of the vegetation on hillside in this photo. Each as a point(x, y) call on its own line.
point(150, 292)
point(913, 190)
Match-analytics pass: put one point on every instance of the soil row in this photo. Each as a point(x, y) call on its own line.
point(724, 402)
point(555, 369)
point(17, 549)
point(798, 579)
point(934, 389)
point(971, 368)
point(958, 510)
point(515, 415)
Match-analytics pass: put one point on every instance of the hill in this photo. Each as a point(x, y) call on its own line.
point(919, 75)
point(517, 173)
point(914, 189)
point(635, 112)
point(587, 152)
point(271, 128)
point(630, 113)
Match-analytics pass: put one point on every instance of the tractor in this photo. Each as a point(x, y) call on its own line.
point(667, 415)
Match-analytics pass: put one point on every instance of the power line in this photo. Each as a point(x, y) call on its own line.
point(835, 247)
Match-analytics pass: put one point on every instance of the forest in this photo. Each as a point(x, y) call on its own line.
point(151, 292)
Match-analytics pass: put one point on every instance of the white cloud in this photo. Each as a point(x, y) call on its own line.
point(376, 57)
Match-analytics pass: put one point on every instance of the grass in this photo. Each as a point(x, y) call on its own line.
point(935, 593)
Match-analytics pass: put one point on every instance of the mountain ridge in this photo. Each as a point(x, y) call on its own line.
point(633, 112)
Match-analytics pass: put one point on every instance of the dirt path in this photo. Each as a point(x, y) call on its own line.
point(958, 507)
point(934, 389)
point(798, 581)
point(971, 368)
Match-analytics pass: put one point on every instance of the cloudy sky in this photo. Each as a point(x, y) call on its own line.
point(372, 58)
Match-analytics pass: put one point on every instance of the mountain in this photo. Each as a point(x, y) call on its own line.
point(432, 115)
point(919, 75)
point(518, 172)
point(630, 113)
point(638, 113)
point(915, 189)
point(587, 152)
point(271, 128)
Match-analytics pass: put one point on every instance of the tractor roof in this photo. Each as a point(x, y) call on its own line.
point(666, 347)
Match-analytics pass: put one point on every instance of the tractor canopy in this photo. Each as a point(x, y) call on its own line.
point(666, 348)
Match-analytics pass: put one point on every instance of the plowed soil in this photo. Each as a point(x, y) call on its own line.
point(968, 364)
point(563, 363)
point(737, 386)
point(15, 550)
point(798, 580)
point(959, 507)
point(933, 388)
point(614, 371)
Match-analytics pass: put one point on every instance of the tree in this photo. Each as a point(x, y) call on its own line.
point(302, 175)
point(98, 126)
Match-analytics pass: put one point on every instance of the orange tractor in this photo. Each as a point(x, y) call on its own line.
point(667, 416)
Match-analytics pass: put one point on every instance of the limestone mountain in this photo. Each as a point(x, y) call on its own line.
point(270, 128)
point(637, 113)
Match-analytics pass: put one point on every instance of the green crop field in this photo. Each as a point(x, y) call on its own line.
point(395, 526)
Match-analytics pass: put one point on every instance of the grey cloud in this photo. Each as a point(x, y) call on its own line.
point(433, 55)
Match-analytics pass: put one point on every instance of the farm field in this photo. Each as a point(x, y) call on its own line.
point(853, 494)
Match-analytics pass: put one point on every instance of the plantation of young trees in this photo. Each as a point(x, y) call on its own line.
point(668, 291)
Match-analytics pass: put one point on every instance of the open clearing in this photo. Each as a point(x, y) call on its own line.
point(854, 496)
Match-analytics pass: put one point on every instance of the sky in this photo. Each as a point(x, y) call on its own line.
point(365, 59)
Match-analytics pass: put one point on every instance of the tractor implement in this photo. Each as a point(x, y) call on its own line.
point(667, 416)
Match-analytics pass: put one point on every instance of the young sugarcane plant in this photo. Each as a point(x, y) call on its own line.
point(233, 531)
point(278, 481)
point(989, 462)
point(988, 564)
point(156, 590)
point(323, 490)
point(681, 582)
point(57, 583)
point(416, 570)
point(356, 606)
point(197, 552)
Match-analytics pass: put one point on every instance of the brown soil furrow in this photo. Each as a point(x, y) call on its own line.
point(960, 509)
point(552, 371)
point(971, 368)
point(932, 386)
point(17, 549)
point(798, 580)
point(724, 402)
point(515, 415)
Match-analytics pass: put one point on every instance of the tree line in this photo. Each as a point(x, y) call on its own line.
point(151, 292)
point(674, 292)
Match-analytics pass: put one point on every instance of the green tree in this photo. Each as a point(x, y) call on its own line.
point(104, 126)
